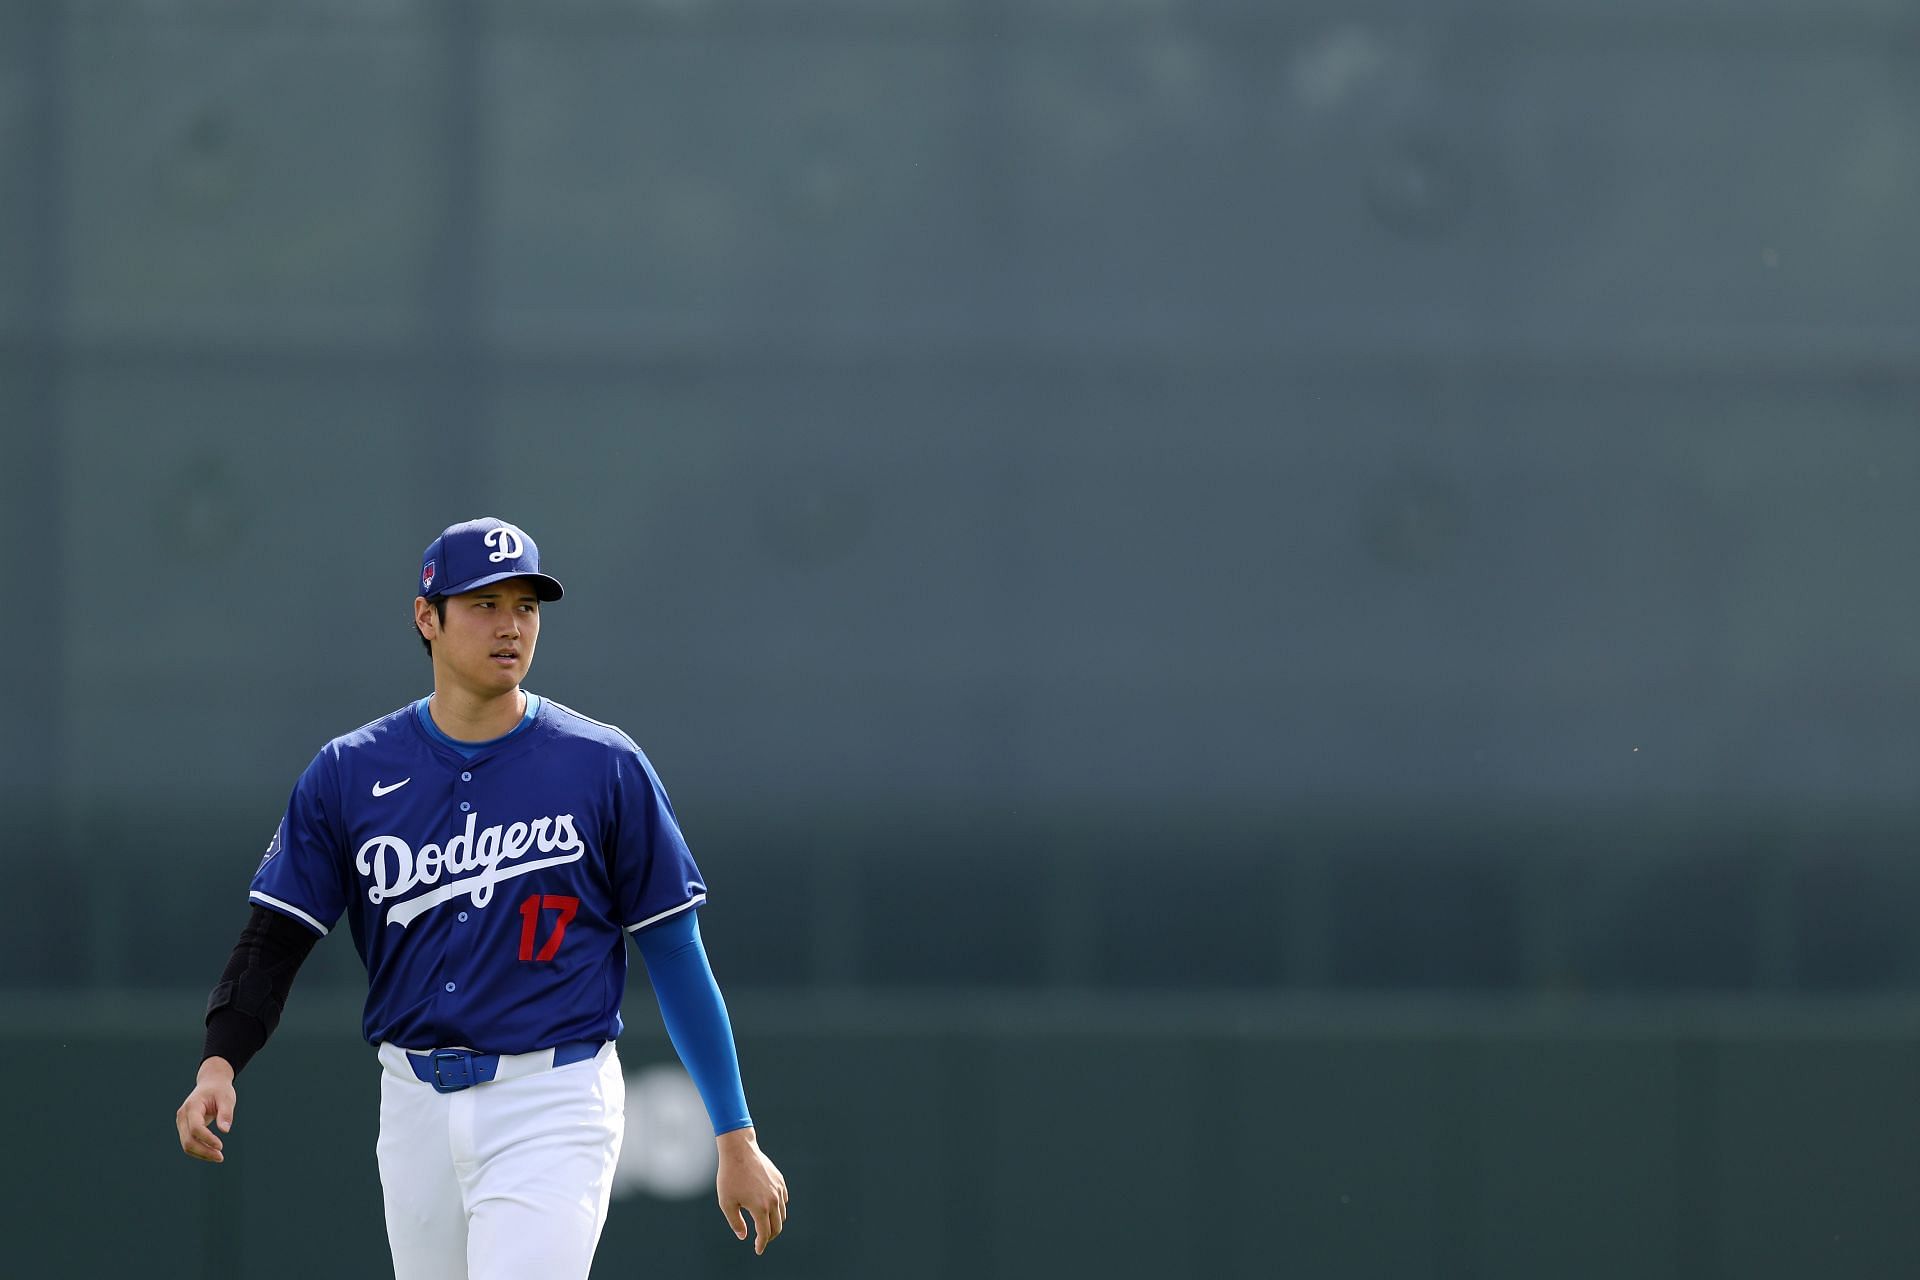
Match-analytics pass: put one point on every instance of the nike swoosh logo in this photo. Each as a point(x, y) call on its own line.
point(379, 790)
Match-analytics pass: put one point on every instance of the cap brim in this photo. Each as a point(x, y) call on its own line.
point(545, 587)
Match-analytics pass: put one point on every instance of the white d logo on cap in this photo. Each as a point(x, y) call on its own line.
point(507, 539)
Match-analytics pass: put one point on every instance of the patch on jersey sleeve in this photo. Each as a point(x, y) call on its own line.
point(273, 845)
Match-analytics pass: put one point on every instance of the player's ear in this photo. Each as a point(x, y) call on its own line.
point(424, 617)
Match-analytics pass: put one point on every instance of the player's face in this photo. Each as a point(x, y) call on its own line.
point(487, 640)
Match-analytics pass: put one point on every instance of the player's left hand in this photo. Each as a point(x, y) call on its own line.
point(751, 1182)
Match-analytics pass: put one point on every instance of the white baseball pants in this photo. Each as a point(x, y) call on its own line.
point(508, 1179)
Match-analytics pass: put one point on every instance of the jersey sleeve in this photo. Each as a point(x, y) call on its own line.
point(301, 873)
point(654, 875)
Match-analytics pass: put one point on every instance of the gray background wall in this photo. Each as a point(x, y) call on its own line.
point(1244, 603)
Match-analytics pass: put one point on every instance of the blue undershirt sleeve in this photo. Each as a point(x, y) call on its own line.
point(696, 1016)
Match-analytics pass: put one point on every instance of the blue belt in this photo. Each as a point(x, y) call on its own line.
point(451, 1070)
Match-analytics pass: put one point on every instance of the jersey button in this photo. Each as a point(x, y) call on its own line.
point(449, 986)
point(464, 806)
point(463, 917)
point(466, 777)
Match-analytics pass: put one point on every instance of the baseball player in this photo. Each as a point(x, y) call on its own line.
point(492, 851)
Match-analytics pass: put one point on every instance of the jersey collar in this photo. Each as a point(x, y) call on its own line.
point(470, 751)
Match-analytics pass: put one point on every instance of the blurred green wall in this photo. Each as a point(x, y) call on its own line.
point(1031, 1138)
point(1444, 475)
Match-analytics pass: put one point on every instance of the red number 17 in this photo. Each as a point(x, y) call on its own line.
point(530, 918)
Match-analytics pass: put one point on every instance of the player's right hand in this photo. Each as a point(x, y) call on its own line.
point(210, 1102)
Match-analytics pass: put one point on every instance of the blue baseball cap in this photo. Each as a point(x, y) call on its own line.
point(469, 555)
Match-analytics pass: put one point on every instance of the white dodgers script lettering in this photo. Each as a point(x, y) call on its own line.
point(474, 860)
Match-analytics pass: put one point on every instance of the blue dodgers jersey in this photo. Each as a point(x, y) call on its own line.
point(489, 897)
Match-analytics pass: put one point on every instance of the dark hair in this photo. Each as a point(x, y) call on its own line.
point(439, 604)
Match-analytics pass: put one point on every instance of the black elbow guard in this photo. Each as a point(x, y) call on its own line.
point(250, 993)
